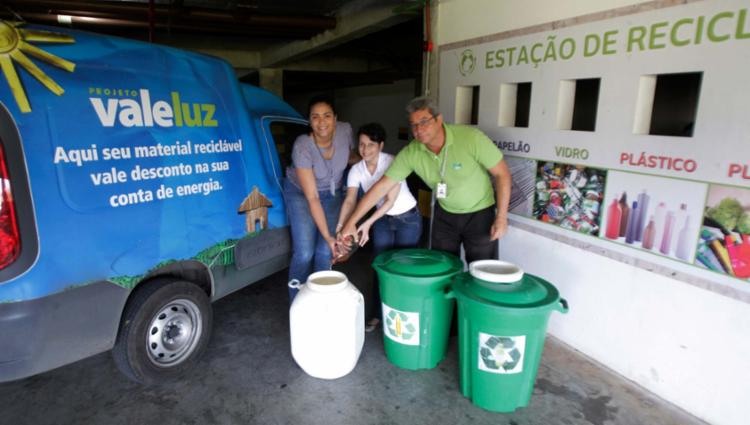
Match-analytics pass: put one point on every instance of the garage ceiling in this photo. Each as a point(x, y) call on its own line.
point(320, 44)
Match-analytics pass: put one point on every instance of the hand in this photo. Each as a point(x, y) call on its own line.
point(344, 248)
point(341, 246)
point(498, 228)
point(364, 233)
point(349, 229)
point(331, 241)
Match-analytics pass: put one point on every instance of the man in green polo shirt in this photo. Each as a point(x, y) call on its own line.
point(458, 163)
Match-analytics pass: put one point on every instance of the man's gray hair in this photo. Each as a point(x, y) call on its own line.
point(421, 103)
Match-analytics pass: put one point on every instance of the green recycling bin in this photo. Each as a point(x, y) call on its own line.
point(417, 310)
point(502, 322)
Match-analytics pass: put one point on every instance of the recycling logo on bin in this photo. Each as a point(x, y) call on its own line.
point(401, 326)
point(501, 354)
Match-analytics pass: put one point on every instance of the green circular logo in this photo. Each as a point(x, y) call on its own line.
point(467, 63)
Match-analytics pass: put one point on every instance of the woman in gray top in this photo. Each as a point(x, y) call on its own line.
point(312, 190)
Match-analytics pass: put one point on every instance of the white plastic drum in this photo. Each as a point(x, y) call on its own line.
point(327, 325)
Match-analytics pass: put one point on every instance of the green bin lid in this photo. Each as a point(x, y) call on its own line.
point(418, 263)
point(503, 284)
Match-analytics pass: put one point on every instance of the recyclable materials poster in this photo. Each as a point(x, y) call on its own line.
point(652, 213)
point(570, 196)
point(724, 243)
point(522, 190)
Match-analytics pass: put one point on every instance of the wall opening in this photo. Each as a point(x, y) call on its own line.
point(667, 104)
point(467, 105)
point(515, 103)
point(577, 104)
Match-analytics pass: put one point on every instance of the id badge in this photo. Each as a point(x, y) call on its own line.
point(441, 191)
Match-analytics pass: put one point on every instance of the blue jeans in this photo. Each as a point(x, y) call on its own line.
point(392, 232)
point(310, 251)
point(399, 231)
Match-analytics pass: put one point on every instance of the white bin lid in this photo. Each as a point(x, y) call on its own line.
point(495, 271)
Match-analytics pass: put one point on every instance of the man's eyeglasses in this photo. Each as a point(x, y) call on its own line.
point(420, 124)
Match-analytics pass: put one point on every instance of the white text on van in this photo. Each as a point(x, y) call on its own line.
point(131, 113)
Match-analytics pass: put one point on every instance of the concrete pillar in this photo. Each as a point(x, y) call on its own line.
point(431, 66)
point(272, 79)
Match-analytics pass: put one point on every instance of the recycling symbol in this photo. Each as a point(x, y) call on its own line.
point(501, 354)
point(398, 326)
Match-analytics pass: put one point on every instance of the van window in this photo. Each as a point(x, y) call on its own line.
point(284, 134)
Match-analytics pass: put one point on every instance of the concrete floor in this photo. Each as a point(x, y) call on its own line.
point(249, 377)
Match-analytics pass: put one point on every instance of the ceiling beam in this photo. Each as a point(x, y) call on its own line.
point(355, 20)
point(113, 15)
point(238, 59)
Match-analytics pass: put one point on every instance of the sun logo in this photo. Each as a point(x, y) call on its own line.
point(14, 46)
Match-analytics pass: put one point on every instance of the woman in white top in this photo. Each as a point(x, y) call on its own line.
point(396, 223)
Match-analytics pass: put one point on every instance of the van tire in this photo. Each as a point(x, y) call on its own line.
point(164, 330)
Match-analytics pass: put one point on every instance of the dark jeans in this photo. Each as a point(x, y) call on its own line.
point(450, 230)
point(392, 232)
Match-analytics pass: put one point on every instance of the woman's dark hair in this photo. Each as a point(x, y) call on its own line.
point(321, 98)
point(374, 131)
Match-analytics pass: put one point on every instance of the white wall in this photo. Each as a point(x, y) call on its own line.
point(383, 103)
point(685, 343)
point(460, 20)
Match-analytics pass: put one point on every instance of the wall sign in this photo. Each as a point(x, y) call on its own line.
point(631, 130)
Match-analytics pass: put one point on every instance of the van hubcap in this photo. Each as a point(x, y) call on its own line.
point(174, 333)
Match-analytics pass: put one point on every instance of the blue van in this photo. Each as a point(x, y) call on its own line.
point(139, 184)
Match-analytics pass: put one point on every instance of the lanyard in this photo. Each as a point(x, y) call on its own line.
point(442, 163)
point(432, 203)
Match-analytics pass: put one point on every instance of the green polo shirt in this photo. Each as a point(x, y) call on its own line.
point(469, 154)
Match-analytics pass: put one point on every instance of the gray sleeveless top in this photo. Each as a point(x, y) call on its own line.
point(328, 173)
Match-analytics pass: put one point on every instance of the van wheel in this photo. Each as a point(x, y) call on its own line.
point(164, 330)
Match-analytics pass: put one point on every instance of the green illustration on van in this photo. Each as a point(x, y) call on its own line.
point(220, 254)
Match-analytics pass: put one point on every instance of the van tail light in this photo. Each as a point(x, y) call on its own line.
point(10, 238)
